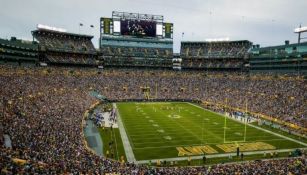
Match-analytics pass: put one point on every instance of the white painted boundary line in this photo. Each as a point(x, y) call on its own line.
point(125, 140)
point(131, 158)
point(216, 155)
point(150, 147)
point(273, 133)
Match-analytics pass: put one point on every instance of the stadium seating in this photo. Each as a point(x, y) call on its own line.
point(20, 51)
point(43, 117)
point(66, 48)
point(282, 59)
point(136, 52)
point(224, 55)
point(131, 56)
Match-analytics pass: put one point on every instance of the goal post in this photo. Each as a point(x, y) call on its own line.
point(245, 126)
point(225, 132)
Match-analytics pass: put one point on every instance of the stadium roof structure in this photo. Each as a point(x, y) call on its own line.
point(300, 29)
point(209, 42)
point(68, 34)
point(19, 44)
point(136, 16)
point(281, 46)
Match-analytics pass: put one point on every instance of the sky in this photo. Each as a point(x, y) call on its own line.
point(264, 22)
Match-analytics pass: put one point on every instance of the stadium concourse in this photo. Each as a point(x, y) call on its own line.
point(43, 111)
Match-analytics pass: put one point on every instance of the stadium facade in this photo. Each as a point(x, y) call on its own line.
point(20, 52)
point(285, 59)
point(136, 40)
point(146, 41)
point(57, 47)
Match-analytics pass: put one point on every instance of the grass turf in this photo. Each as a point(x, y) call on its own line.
point(156, 129)
point(281, 132)
point(107, 135)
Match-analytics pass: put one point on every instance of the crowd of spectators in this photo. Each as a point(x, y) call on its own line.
point(72, 59)
point(226, 49)
point(212, 64)
point(214, 54)
point(131, 55)
point(136, 61)
point(67, 48)
point(137, 52)
point(53, 40)
point(43, 110)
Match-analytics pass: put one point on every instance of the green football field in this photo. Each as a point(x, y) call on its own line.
point(158, 130)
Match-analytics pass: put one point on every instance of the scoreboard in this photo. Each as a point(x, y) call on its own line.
point(138, 28)
point(136, 25)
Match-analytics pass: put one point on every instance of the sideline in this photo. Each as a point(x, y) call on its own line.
point(273, 133)
point(215, 156)
point(127, 147)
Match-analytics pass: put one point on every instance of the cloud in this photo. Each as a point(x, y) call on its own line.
point(262, 21)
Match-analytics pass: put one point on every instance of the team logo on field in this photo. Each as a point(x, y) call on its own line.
point(195, 150)
point(232, 147)
point(253, 146)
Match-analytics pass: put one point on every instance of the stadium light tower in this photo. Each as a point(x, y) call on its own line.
point(299, 31)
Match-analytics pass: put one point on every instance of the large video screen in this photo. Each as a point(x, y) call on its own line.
point(139, 28)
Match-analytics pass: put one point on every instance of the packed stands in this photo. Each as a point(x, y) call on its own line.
point(43, 118)
point(18, 51)
point(65, 48)
point(136, 52)
point(220, 55)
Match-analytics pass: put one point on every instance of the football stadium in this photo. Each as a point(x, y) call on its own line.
point(131, 94)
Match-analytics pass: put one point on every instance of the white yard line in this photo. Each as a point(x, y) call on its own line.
point(273, 133)
point(127, 147)
point(215, 155)
point(192, 133)
point(173, 146)
point(282, 136)
point(174, 132)
point(131, 158)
